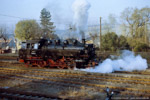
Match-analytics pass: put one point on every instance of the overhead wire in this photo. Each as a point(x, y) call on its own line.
point(13, 16)
point(67, 24)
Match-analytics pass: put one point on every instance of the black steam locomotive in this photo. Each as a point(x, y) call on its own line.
point(56, 53)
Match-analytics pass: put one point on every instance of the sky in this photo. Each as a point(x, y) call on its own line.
point(12, 11)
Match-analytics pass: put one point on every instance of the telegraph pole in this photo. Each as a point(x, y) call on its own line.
point(100, 34)
point(146, 32)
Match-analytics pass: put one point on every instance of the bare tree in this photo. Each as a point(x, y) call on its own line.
point(110, 24)
point(135, 21)
point(4, 33)
point(4, 36)
point(94, 34)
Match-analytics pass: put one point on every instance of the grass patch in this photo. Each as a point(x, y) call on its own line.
point(83, 93)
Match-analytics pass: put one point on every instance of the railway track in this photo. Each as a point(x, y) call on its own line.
point(9, 60)
point(76, 80)
point(21, 95)
point(82, 76)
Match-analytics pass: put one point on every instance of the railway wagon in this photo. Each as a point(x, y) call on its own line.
point(67, 54)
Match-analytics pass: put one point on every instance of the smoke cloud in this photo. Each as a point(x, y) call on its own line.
point(80, 9)
point(127, 61)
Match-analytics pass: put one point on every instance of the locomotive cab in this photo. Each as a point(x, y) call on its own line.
point(25, 45)
point(30, 48)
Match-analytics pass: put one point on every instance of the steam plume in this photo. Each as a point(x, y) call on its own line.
point(126, 62)
point(80, 9)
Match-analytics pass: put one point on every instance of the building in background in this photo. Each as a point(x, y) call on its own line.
point(8, 46)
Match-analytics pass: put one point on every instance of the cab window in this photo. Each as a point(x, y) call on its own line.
point(23, 45)
point(28, 45)
point(36, 46)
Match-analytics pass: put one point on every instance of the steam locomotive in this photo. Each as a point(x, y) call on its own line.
point(66, 54)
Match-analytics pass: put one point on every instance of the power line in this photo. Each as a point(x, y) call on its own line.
point(60, 23)
point(30, 18)
point(13, 16)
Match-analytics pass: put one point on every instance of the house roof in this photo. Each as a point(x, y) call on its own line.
point(9, 44)
point(3, 45)
point(12, 44)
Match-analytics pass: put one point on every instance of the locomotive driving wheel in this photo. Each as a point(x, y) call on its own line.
point(70, 63)
point(28, 64)
point(41, 63)
point(61, 65)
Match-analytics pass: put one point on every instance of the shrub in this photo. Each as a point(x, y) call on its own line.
point(141, 47)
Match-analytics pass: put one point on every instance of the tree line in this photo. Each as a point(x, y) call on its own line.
point(31, 29)
point(133, 28)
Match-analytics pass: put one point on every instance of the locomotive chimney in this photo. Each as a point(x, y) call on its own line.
point(83, 37)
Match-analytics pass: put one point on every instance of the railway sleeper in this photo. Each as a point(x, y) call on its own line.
point(19, 95)
point(146, 83)
point(121, 88)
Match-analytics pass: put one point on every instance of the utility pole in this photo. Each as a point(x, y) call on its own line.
point(146, 32)
point(100, 35)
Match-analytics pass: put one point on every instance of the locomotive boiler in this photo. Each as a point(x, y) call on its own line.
point(67, 54)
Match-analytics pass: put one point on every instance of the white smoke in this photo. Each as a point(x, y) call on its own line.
point(80, 9)
point(126, 62)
